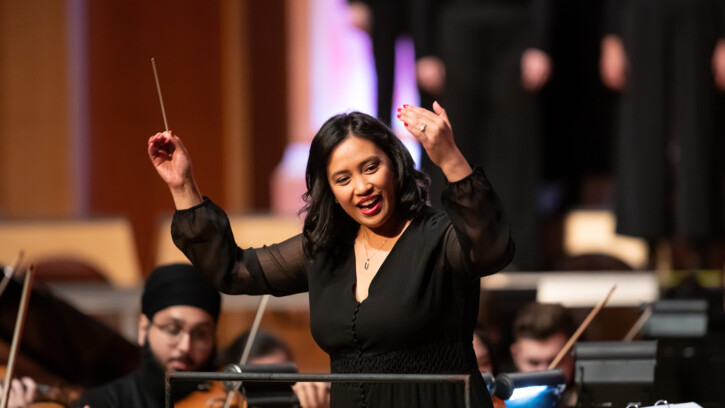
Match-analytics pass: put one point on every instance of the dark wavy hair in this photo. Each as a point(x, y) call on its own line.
point(326, 222)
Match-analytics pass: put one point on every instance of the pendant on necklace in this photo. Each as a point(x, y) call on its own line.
point(367, 263)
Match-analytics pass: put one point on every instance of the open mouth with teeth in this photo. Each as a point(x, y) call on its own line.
point(371, 205)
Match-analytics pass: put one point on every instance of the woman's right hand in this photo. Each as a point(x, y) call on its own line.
point(172, 162)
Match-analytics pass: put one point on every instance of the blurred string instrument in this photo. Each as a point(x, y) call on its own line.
point(44, 393)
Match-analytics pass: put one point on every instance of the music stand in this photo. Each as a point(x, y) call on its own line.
point(615, 373)
point(270, 394)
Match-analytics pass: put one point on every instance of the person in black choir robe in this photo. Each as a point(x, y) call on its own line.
point(385, 21)
point(666, 58)
point(393, 284)
point(496, 58)
point(177, 332)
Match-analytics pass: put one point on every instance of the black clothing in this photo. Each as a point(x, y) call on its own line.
point(495, 118)
point(667, 157)
point(422, 305)
point(481, 43)
point(391, 20)
point(141, 389)
point(175, 285)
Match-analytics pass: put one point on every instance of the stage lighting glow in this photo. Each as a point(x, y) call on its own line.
point(535, 396)
point(527, 392)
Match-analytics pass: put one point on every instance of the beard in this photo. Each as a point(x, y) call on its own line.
point(153, 373)
point(162, 365)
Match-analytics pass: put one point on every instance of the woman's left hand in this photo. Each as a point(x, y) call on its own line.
point(433, 131)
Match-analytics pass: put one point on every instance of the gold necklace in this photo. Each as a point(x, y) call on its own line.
point(365, 243)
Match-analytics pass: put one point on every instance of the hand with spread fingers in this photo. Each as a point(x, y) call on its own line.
point(172, 162)
point(433, 131)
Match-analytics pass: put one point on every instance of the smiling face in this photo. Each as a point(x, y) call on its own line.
point(362, 180)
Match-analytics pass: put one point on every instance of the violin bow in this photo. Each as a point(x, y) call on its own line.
point(17, 334)
point(9, 271)
point(638, 325)
point(248, 346)
point(581, 329)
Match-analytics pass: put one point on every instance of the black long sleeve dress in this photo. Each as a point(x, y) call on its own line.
point(422, 305)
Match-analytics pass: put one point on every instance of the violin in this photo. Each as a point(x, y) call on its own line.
point(49, 396)
point(213, 397)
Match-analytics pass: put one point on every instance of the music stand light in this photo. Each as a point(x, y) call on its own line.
point(532, 389)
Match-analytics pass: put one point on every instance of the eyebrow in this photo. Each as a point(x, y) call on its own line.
point(181, 322)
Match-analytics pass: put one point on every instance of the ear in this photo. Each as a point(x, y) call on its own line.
point(514, 350)
point(143, 329)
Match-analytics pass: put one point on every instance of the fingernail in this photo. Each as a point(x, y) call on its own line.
point(405, 106)
point(405, 124)
point(400, 109)
point(398, 116)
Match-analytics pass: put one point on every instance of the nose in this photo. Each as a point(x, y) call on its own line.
point(184, 342)
point(362, 186)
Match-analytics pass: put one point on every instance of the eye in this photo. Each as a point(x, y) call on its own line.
point(371, 168)
point(172, 329)
point(342, 180)
point(201, 334)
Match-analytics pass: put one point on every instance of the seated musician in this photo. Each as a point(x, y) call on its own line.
point(540, 331)
point(177, 332)
point(483, 349)
point(268, 349)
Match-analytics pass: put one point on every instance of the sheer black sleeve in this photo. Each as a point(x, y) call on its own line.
point(204, 235)
point(479, 241)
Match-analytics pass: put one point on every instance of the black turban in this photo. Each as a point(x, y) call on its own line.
point(178, 285)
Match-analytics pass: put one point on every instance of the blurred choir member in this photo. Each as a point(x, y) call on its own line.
point(385, 21)
point(666, 58)
point(496, 58)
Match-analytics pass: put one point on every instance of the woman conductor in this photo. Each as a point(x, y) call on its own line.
point(393, 284)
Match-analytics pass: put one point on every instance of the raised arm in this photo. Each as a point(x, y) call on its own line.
point(202, 232)
point(479, 242)
point(433, 131)
point(172, 162)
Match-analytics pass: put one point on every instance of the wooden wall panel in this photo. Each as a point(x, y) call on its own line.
point(124, 111)
point(35, 170)
point(266, 22)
